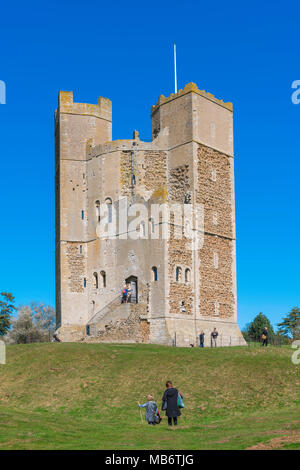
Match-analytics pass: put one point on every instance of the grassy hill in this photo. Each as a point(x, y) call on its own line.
point(84, 396)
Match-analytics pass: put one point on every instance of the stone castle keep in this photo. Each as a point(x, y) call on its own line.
point(176, 291)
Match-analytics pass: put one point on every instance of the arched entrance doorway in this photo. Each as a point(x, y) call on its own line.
point(133, 281)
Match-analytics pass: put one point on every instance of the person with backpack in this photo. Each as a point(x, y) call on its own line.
point(124, 294)
point(152, 414)
point(170, 403)
point(264, 337)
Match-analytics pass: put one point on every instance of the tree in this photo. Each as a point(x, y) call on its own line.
point(245, 332)
point(6, 310)
point(255, 329)
point(44, 317)
point(35, 323)
point(290, 326)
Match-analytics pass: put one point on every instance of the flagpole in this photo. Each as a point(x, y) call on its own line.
point(175, 72)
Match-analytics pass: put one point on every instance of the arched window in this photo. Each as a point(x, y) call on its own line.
point(103, 278)
point(84, 282)
point(108, 203)
point(143, 230)
point(178, 274)
point(151, 224)
point(95, 280)
point(97, 207)
point(187, 275)
point(154, 273)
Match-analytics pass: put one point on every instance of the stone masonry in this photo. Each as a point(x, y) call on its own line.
point(179, 286)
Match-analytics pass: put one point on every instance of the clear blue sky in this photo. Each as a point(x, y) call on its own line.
point(244, 53)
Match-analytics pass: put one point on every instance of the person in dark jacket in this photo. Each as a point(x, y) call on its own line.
point(264, 337)
point(201, 339)
point(170, 397)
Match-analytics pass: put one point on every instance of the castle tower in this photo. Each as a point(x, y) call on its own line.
point(201, 170)
point(179, 288)
point(77, 126)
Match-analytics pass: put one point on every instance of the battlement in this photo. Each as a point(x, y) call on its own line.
point(103, 109)
point(122, 145)
point(190, 87)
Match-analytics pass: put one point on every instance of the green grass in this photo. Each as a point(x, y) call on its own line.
point(84, 396)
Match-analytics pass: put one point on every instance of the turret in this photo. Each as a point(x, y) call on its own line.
point(193, 115)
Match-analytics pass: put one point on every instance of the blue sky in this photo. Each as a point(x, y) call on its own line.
point(241, 52)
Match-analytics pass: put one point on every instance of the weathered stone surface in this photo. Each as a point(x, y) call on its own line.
point(188, 162)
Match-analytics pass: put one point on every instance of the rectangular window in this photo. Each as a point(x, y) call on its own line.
point(82, 215)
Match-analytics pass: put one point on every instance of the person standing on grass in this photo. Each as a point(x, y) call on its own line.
point(151, 410)
point(264, 337)
point(170, 399)
point(201, 338)
point(214, 336)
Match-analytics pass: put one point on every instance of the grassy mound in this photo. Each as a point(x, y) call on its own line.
point(84, 396)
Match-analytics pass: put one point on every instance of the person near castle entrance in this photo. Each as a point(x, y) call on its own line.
point(129, 290)
point(151, 410)
point(124, 294)
point(169, 401)
point(264, 337)
point(214, 336)
point(201, 338)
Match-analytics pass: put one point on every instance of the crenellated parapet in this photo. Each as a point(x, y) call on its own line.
point(103, 109)
point(190, 87)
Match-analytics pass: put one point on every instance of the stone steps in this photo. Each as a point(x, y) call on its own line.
point(116, 313)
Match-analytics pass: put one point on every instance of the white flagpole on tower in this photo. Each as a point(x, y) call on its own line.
point(175, 72)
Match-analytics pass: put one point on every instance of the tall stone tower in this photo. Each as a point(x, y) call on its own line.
point(178, 287)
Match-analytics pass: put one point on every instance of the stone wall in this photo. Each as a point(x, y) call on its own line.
point(181, 290)
point(131, 329)
point(149, 169)
point(216, 289)
point(76, 267)
point(214, 191)
point(155, 170)
point(179, 184)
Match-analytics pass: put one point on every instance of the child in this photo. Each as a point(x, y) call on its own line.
point(124, 295)
point(151, 410)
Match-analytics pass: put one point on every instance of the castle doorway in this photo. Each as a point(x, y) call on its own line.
point(133, 281)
